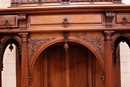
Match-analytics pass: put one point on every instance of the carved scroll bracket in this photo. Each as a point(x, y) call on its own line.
point(96, 42)
point(36, 43)
point(22, 21)
point(109, 19)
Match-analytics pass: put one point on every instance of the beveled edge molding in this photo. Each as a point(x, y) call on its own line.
point(36, 43)
point(96, 42)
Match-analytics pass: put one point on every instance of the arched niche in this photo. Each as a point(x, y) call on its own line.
point(117, 58)
point(124, 63)
point(9, 66)
point(71, 39)
point(13, 44)
point(78, 66)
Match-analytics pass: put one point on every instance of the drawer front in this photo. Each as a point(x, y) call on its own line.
point(8, 21)
point(72, 19)
point(122, 18)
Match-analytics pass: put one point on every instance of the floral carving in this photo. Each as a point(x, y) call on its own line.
point(97, 42)
point(35, 43)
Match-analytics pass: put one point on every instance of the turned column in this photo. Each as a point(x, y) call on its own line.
point(108, 59)
point(24, 60)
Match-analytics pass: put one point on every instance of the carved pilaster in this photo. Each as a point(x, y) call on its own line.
point(24, 60)
point(109, 19)
point(108, 60)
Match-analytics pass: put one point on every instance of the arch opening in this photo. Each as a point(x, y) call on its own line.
point(11, 61)
point(124, 64)
point(122, 61)
point(9, 69)
point(77, 66)
point(71, 39)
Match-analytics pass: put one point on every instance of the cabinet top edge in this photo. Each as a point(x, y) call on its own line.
point(64, 8)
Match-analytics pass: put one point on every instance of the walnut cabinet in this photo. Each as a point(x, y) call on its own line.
point(66, 45)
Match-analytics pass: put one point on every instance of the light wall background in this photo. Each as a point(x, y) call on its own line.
point(9, 71)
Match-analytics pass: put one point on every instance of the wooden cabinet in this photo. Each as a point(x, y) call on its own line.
point(72, 45)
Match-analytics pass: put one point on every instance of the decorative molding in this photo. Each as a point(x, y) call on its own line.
point(109, 19)
point(117, 1)
point(97, 42)
point(36, 43)
point(30, 80)
point(103, 79)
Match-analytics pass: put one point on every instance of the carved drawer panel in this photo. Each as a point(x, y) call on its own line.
point(123, 18)
point(8, 21)
point(71, 19)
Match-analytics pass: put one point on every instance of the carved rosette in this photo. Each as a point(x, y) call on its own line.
point(96, 42)
point(36, 43)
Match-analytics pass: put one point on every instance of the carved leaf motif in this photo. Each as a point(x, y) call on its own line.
point(36, 43)
point(97, 42)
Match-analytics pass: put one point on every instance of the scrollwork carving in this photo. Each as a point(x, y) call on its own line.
point(22, 16)
point(35, 43)
point(97, 42)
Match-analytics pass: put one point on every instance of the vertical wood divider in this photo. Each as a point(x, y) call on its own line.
point(67, 68)
point(89, 69)
point(45, 60)
point(25, 60)
point(108, 61)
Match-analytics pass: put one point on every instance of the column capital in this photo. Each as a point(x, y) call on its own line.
point(24, 37)
point(108, 35)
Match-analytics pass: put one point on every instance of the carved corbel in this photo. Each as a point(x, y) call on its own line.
point(109, 19)
point(22, 21)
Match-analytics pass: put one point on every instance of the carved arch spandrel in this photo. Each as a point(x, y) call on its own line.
point(61, 39)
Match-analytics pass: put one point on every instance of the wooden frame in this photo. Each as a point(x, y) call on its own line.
point(94, 26)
